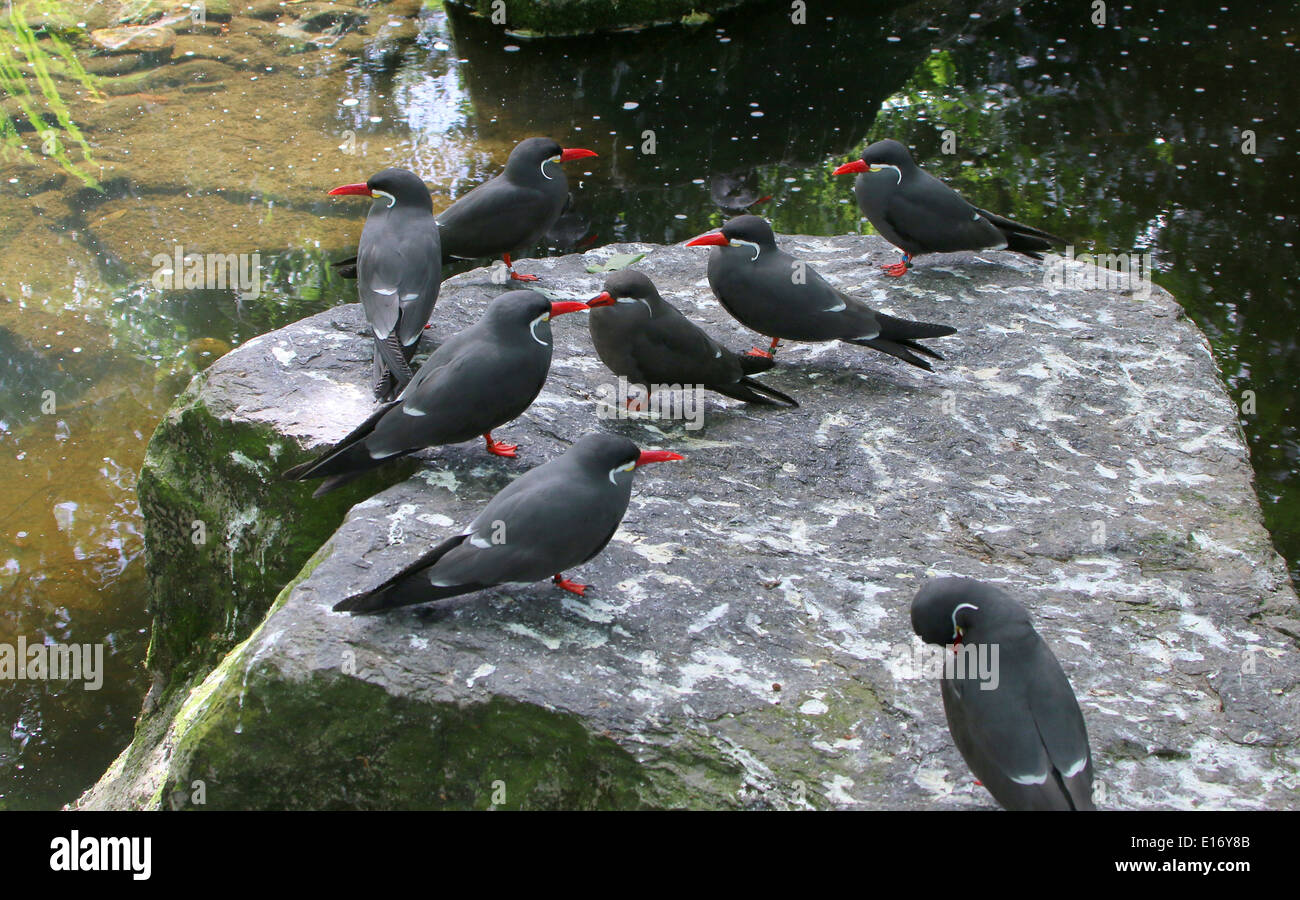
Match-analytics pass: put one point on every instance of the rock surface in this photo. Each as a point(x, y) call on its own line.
point(747, 640)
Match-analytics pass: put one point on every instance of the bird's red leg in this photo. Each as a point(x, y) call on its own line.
point(898, 269)
point(500, 448)
point(515, 275)
point(636, 404)
point(571, 586)
point(766, 354)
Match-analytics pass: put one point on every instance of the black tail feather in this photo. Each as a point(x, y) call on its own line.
point(892, 329)
point(752, 365)
point(901, 350)
point(409, 586)
point(335, 482)
point(1021, 238)
point(407, 592)
point(347, 456)
point(899, 338)
point(397, 360)
point(751, 390)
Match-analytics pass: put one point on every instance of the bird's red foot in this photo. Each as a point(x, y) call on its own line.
point(897, 270)
point(754, 351)
point(635, 404)
point(978, 782)
point(517, 277)
point(500, 448)
point(571, 586)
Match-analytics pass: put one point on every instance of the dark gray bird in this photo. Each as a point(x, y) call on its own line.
point(1024, 739)
point(556, 516)
point(398, 269)
point(918, 213)
point(514, 210)
point(478, 380)
point(775, 294)
point(644, 338)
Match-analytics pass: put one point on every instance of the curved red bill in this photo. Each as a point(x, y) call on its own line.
point(601, 299)
point(711, 239)
point(569, 153)
point(654, 456)
point(560, 307)
point(857, 167)
point(362, 190)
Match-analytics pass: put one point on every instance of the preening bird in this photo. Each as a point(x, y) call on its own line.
point(1024, 737)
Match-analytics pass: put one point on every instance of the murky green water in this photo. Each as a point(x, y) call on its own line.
point(1126, 138)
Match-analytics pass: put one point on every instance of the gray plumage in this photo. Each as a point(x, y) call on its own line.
point(554, 517)
point(647, 340)
point(1025, 739)
point(511, 212)
point(918, 213)
point(478, 380)
point(399, 272)
point(773, 293)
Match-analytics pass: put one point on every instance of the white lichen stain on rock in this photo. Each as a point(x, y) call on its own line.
point(481, 672)
point(439, 478)
point(709, 618)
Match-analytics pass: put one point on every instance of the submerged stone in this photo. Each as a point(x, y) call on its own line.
point(746, 641)
point(133, 39)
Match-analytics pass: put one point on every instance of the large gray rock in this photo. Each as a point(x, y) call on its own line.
point(747, 640)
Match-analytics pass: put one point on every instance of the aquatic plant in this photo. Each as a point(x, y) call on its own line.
point(27, 56)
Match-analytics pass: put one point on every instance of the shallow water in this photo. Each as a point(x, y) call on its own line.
point(1124, 139)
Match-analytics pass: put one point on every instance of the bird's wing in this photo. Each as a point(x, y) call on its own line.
point(1004, 747)
point(458, 395)
point(853, 319)
point(531, 531)
point(1060, 725)
point(398, 275)
point(672, 349)
point(514, 214)
point(936, 217)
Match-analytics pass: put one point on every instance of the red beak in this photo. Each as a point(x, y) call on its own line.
point(560, 307)
point(569, 153)
point(601, 299)
point(711, 239)
point(654, 456)
point(857, 167)
point(359, 189)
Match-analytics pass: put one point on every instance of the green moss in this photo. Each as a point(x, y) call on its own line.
point(335, 742)
point(223, 534)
